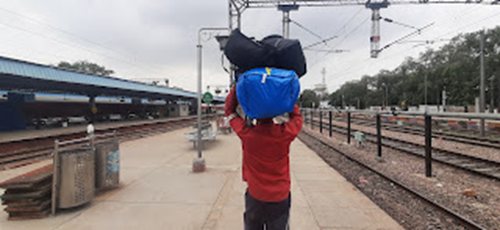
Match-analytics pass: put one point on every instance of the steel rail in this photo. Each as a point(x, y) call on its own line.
point(484, 142)
point(439, 158)
point(469, 224)
point(132, 131)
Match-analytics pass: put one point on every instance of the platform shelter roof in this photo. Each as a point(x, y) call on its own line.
point(27, 76)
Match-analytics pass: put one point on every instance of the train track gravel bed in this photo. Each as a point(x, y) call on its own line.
point(472, 196)
point(467, 149)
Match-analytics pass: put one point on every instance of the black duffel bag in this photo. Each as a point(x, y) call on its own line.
point(246, 53)
point(287, 54)
point(272, 51)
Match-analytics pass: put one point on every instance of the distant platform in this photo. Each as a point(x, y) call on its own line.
point(159, 191)
point(11, 136)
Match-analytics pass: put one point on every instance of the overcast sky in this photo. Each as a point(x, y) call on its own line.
point(142, 39)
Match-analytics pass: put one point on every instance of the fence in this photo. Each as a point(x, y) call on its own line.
point(443, 135)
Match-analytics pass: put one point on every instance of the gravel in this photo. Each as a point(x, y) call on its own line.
point(467, 149)
point(447, 187)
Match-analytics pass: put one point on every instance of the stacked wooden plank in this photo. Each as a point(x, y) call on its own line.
point(28, 196)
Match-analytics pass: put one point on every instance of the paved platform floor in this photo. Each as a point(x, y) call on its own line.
point(158, 191)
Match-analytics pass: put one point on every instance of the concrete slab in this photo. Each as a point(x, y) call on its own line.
point(120, 215)
point(158, 191)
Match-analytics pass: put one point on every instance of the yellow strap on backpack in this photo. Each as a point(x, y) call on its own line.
point(268, 70)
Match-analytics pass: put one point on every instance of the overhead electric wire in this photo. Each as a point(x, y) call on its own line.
point(336, 34)
point(398, 23)
point(405, 37)
point(345, 37)
point(327, 51)
point(348, 69)
point(73, 45)
point(319, 43)
point(463, 27)
point(308, 30)
point(58, 29)
point(65, 32)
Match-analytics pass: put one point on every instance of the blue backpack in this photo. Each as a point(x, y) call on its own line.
point(267, 92)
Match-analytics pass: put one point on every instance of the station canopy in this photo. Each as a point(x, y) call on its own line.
point(32, 77)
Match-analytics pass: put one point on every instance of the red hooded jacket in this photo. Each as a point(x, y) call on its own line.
point(266, 146)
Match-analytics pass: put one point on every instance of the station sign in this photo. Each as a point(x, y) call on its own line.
point(207, 97)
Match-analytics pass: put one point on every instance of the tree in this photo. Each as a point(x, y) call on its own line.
point(86, 67)
point(454, 66)
point(309, 99)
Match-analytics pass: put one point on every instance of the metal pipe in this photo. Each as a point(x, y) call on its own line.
point(348, 127)
point(428, 146)
point(379, 137)
point(198, 143)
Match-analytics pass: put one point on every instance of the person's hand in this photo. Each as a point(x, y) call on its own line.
point(231, 102)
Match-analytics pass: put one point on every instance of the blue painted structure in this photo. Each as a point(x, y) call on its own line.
point(22, 75)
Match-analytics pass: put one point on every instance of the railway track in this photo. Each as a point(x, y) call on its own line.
point(476, 165)
point(22, 152)
point(479, 141)
point(459, 219)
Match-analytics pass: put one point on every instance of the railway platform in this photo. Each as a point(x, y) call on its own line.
point(159, 191)
point(12, 136)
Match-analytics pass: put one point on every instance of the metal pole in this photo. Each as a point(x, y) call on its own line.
point(286, 23)
point(198, 142)
point(330, 122)
point(428, 146)
point(348, 127)
point(379, 137)
point(482, 86)
point(321, 121)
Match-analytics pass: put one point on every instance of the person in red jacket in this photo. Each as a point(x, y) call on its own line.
point(266, 166)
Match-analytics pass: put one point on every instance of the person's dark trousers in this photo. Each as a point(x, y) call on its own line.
point(273, 215)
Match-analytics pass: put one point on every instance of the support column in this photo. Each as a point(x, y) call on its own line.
point(92, 108)
point(286, 24)
point(286, 18)
point(375, 37)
